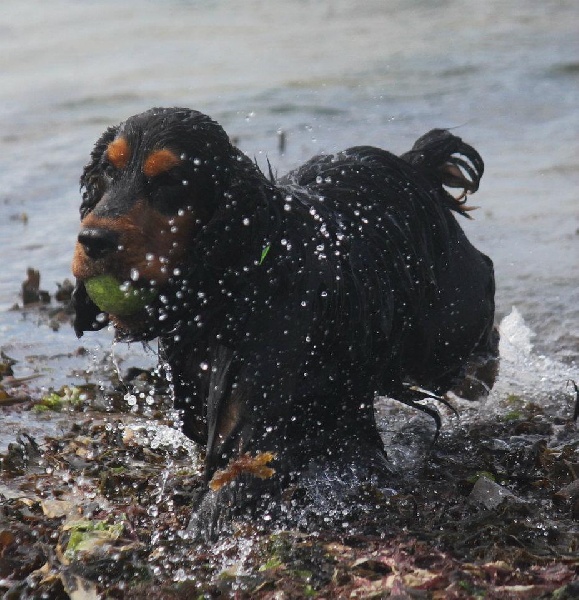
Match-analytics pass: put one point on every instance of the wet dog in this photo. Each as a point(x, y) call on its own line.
point(282, 307)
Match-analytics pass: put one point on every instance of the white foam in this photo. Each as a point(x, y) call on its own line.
point(524, 372)
point(515, 343)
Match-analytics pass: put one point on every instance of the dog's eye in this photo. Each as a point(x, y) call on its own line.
point(170, 178)
point(169, 183)
point(168, 191)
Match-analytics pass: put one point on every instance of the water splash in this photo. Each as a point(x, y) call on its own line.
point(523, 374)
point(522, 371)
point(515, 344)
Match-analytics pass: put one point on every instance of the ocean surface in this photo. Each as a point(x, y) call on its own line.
point(329, 74)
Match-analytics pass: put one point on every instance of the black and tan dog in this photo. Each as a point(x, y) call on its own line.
point(282, 307)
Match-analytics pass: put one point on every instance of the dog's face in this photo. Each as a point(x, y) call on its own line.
point(152, 184)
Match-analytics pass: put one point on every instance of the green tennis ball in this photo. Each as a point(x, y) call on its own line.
point(121, 299)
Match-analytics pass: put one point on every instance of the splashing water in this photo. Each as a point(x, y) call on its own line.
point(523, 374)
point(516, 337)
point(536, 376)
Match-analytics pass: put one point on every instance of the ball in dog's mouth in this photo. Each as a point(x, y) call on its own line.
point(116, 297)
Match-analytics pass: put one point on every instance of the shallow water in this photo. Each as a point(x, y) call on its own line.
point(505, 76)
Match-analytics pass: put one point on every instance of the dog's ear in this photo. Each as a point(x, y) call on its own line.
point(91, 178)
point(85, 310)
point(87, 315)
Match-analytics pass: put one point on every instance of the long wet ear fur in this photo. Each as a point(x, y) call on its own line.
point(85, 310)
point(450, 162)
point(91, 178)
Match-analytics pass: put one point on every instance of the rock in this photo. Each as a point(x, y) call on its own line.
point(490, 494)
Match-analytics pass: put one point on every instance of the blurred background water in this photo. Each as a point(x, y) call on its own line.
point(330, 74)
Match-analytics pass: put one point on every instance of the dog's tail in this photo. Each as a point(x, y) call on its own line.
point(450, 162)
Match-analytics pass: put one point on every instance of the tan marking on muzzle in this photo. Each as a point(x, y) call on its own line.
point(150, 244)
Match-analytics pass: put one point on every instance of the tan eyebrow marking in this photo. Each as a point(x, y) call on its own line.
point(160, 161)
point(119, 152)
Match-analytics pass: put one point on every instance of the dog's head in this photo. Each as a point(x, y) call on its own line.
point(153, 185)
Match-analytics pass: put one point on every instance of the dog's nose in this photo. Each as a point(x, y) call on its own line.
point(97, 242)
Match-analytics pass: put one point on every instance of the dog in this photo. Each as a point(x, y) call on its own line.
point(284, 306)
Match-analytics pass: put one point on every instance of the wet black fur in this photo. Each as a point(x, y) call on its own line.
point(367, 283)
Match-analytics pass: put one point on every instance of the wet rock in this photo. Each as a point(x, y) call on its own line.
point(64, 292)
point(21, 455)
point(569, 492)
point(490, 495)
point(31, 292)
point(6, 364)
point(569, 495)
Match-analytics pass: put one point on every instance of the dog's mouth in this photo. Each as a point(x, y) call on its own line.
point(134, 290)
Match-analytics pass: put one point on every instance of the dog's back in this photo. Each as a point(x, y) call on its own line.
point(413, 288)
point(394, 297)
